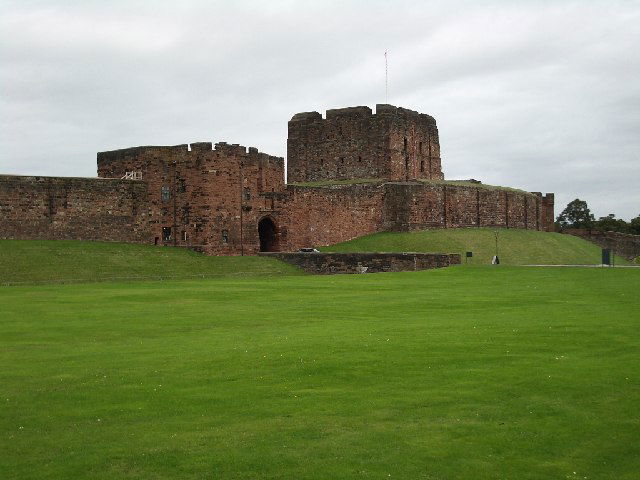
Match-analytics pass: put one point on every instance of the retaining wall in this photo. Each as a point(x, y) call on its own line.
point(332, 263)
point(623, 244)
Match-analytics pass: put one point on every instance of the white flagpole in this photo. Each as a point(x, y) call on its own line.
point(386, 78)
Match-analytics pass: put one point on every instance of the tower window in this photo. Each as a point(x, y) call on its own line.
point(359, 158)
point(165, 193)
point(422, 165)
point(225, 236)
point(405, 144)
point(420, 147)
point(246, 193)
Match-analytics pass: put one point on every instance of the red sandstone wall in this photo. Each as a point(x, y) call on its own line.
point(548, 217)
point(316, 216)
point(394, 144)
point(453, 206)
point(73, 208)
point(623, 244)
point(212, 198)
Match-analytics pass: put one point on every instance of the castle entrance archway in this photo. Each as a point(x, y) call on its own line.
point(268, 234)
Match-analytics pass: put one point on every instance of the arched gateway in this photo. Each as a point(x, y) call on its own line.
point(268, 234)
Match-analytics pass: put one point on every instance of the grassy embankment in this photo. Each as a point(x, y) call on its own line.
point(55, 261)
point(476, 373)
point(515, 247)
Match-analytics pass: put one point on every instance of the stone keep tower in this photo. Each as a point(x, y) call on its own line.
point(393, 144)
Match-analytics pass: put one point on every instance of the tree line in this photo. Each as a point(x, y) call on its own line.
point(578, 215)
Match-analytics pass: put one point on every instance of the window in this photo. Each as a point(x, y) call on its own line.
point(225, 236)
point(422, 166)
point(405, 144)
point(182, 185)
point(359, 159)
point(166, 234)
point(184, 236)
point(341, 159)
point(420, 147)
point(185, 215)
point(246, 193)
point(166, 193)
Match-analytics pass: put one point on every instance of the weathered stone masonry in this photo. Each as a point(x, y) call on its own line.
point(394, 144)
point(201, 197)
point(73, 208)
point(623, 244)
point(331, 263)
point(230, 200)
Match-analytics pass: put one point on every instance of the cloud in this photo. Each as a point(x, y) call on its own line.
point(538, 95)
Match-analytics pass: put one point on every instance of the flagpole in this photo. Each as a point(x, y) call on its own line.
point(386, 78)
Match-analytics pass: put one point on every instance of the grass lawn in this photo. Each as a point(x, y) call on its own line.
point(458, 373)
point(515, 246)
point(72, 261)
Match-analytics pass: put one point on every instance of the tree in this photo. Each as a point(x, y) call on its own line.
point(634, 225)
point(576, 215)
point(611, 224)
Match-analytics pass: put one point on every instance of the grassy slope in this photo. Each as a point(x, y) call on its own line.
point(479, 373)
point(515, 247)
point(29, 261)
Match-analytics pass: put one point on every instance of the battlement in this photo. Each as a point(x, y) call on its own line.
point(362, 113)
point(348, 112)
point(178, 151)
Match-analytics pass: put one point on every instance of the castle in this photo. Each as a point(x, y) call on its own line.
point(351, 173)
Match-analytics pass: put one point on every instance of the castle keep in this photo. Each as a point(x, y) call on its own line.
point(351, 173)
point(394, 144)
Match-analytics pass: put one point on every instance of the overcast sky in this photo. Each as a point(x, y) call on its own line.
point(539, 95)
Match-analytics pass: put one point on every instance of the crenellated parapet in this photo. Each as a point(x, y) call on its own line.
point(114, 163)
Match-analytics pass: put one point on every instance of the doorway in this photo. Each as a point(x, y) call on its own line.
point(268, 235)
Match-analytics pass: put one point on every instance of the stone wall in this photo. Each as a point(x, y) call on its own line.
point(308, 216)
point(73, 208)
point(622, 244)
point(418, 206)
point(392, 144)
point(204, 198)
point(332, 263)
point(323, 215)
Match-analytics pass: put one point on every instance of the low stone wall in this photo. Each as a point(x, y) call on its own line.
point(331, 263)
point(623, 244)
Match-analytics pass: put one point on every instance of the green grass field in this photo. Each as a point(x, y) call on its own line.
point(57, 261)
point(515, 247)
point(459, 373)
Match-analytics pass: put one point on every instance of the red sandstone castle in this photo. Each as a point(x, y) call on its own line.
point(349, 174)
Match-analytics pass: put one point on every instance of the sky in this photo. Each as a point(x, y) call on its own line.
point(538, 95)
